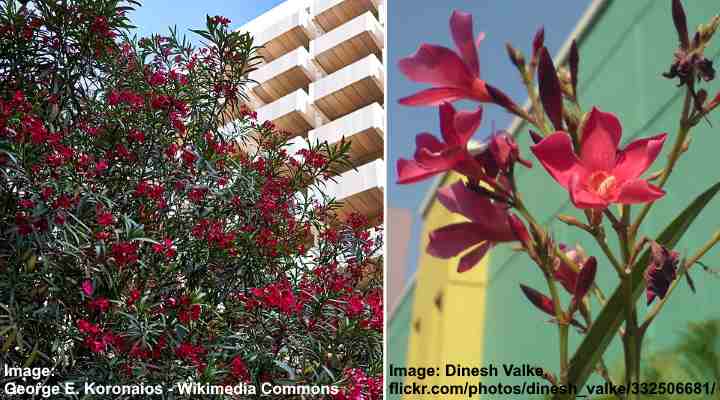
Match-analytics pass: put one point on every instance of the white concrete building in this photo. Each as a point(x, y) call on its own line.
point(323, 78)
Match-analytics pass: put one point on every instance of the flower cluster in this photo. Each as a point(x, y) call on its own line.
point(581, 151)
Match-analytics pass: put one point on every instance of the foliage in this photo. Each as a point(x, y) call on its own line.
point(153, 231)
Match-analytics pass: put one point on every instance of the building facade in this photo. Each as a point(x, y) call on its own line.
point(481, 317)
point(323, 79)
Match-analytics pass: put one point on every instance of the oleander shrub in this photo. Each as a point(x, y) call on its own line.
point(152, 230)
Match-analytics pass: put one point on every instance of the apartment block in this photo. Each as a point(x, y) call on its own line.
point(322, 78)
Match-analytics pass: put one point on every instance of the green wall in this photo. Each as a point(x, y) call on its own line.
point(398, 334)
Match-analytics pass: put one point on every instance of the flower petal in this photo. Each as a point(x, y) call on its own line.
point(430, 142)
point(436, 65)
point(409, 171)
point(461, 26)
point(447, 124)
point(638, 191)
point(489, 218)
point(637, 157)
point(434, 96)
point(443, 161)
point(451, 240)
point(600, 139)
point(582, 198)
point(466, 123)
point(469, 260)
point(556, 154)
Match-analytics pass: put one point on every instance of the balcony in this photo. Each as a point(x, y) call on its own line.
point(361, 191)
point(329, 14)
point(350, 88)
point(292, 113)
point(364, 129)
point(284, 75)
point(287, 34)
point(350, 42)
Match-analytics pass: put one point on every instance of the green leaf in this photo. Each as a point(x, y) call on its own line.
point(611, 316)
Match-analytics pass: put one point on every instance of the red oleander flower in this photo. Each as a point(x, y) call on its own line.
point(454, 76)
point(87, 287)
point(433, 156)
point(602, 174)
point(125, 253)
point(489, 224)
point(105, 219)
point(239, 369)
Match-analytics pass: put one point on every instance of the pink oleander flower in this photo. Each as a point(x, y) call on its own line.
point(87, 287)
point(433, 156)
point(454, 76)
point(489, 224)
point(602, 174)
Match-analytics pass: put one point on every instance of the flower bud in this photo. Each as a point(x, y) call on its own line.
point(537, 138)
point(515, 56)
point(570, 220)
point(550, 91)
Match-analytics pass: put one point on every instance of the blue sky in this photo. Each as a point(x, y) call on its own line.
point(155, 16)
point(412, 22)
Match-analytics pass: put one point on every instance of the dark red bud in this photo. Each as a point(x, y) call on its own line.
point(501, 99)
point(539, 300)
point(574, 61)
point(680, 21)
point(519, 230)
point(536, 138)
point(538, 42)
point(550, 92)
point(585, 279)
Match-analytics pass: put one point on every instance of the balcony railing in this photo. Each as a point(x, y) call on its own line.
point(285, 35)
point(293, 113)
point(284, 75)
point(361, 191)
point(350, 42)
point(350, 88)
point(329, 14)
point(364, 129)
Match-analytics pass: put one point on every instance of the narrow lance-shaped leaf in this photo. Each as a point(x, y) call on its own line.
point(550, 93)
point(611, 316)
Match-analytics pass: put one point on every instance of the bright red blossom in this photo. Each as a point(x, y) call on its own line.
point(602, 174)
point(489, 224)
point(433, 156)
point(454, 75)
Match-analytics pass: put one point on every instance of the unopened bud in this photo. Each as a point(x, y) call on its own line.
point(570, 220)
point(536, 137)
point(565, 81)
point(515, 56)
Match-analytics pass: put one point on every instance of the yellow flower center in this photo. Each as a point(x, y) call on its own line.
point(602, 183)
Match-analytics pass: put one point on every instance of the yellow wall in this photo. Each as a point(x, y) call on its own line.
point(452, 333)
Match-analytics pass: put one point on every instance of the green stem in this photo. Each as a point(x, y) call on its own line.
point(675, 153)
